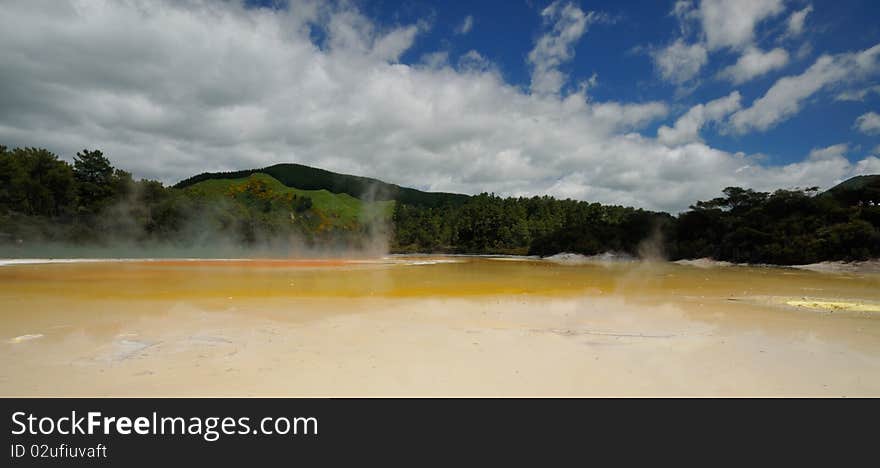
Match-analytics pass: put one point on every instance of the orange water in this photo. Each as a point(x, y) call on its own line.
point(179, 327)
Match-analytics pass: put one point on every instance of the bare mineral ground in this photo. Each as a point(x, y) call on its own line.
point(446, 326)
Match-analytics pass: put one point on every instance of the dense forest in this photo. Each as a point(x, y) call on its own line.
point(44, 199)
point(784, 227)
point(47, 201)
point(311, 178)
point(537, 226)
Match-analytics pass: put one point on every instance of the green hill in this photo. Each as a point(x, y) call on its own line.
point(864, 189)
point(364, 188)
point(259, 191)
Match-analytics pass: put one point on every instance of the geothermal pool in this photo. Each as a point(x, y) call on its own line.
point(434, 326)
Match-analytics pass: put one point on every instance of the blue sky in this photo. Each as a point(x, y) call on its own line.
point(505, 31)
point(648, 103)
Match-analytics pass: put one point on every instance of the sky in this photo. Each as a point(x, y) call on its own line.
point(649, 103)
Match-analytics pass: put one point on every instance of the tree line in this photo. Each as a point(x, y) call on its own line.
point(44, 199)
point(783, 227)
point(543, 225)
point(90, 202)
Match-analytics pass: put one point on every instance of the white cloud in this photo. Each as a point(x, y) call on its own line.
point(684, 11)
point(169, 89)
point(687, 127)
point(868, 166)
point(829, 152)
point(680, 62)
point(436, 59)
point(804, 51)
point(823, 167)
point(732, 23)
point(588, 84)
point(723, 24)
point(857, 94)
point(785, 97)
point(796, 21)
point(473, 61)
point(754, 63)
point(556, 46)
point(696, 171)
point(350, 31)
point(466, 25)
point(868, 123)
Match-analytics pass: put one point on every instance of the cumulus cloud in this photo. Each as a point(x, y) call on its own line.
point(169, 89)
point(823, 167)
point(437, 59)
point(868, 166)
point(833, 154)
point(785, 97)
point(687, 127)
point(588, 84)
point(797, 20)
point(829, 152)
point(697, 171)
point(680, 62)
point(466, 25)
point(754, 63)
point(349, 31)
point(869, 123)
point(684, 11)
point(723, 24)
point(732, 23)
point(567, 24)
point(473, 61)
point(857, 94)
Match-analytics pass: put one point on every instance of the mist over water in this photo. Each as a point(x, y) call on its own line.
point(652, 247)
point(201, 227)
point(377, 227)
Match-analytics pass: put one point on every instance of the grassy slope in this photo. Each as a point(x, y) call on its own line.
point(340, 209)
point(311, 178)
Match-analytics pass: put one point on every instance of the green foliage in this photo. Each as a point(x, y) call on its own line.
point(44, 198)
point(537, 225)
point(94, 176)
point(364, 188)
point(326, 211)
point(859, 190)
point(35, 182)
point(785, 227)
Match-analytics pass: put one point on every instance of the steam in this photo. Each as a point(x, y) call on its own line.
point(199, 227)
point(607, 258)
point(376, 221)
point(651, 248)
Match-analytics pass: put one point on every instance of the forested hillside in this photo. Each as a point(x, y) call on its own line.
point(783, 227)
point(310, 178)
point(537, 226)
point(44, 199)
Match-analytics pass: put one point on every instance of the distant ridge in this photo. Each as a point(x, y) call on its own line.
point(312, 178)
point(858, 189)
